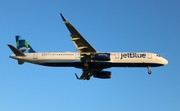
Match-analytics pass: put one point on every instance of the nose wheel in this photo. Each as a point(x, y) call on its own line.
point(149, 70)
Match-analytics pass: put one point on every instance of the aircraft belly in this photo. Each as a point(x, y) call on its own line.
point(135, 64)
point(97, 65)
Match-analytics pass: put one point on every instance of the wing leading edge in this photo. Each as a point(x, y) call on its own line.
point(81, 44)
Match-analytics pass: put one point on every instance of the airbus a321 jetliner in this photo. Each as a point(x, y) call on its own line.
point(88, 59)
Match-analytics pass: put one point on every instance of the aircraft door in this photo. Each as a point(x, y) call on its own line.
point(77, 55)
point(35, 56)
point(149, 56)
point(116, 55)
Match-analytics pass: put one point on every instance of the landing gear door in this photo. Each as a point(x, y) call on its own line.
point(149, 56)
point(35, 56)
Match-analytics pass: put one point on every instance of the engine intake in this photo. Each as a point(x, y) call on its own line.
point(101, 56)
point(103, 75)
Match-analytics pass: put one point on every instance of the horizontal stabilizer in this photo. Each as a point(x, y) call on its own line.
point(15, 51)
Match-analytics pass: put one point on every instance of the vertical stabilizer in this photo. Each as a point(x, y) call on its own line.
point(23, 46)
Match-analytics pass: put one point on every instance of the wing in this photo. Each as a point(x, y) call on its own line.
point(81, 44)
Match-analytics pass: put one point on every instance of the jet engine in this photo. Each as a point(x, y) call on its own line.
point(102, 75)
point(101, 56)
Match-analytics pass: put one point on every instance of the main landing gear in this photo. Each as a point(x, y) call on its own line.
point(149, 70)
point(88, 77)
point(86, 65)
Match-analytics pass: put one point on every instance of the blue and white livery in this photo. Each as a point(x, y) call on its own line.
point(87, 58)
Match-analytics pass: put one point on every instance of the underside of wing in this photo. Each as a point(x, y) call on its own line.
point(81, 44)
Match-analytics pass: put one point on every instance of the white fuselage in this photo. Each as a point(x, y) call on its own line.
point(72, 59)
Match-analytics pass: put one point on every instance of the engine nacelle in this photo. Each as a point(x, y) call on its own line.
point(101, 56)
point(103, 75)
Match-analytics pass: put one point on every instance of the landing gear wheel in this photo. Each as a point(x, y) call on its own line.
point(89, 74)
point(149, 70)
point(86, 65)
point(87, 78)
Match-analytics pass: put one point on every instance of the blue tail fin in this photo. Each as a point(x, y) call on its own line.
point(23, 46)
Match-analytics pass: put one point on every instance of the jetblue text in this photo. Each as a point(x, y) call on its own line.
point(24, 48)
point(133, 55)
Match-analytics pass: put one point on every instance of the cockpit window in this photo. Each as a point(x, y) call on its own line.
point(158, 55)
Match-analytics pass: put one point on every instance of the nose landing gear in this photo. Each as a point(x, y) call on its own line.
point(149, 70)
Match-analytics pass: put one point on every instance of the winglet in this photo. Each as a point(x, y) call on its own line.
point(77, 76)
point(63, 18)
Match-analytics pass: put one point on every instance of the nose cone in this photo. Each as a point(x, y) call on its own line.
point(165, 62)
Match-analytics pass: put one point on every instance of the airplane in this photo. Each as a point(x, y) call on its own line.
point(87, 58)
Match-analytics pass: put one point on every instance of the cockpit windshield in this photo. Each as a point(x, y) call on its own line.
point(158, 55)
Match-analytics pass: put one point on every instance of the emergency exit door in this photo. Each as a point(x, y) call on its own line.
point(116, 55)
point(35, 56)
point(149, 56)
